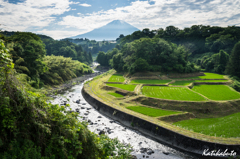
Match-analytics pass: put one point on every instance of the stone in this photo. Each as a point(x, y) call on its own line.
point(101, 132)
point(99, 117)
point(166, 153)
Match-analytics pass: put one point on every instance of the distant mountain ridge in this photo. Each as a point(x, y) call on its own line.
point(111, 31)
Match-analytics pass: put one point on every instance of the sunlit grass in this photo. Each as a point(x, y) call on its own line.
point(116, 95)
point(217, 92)
point(151, 111)
point(228, 126)
point(123, 86)
point(208, 76)
point(116, 78)
point(185, 83)
point(172, 93)
point(150, 81)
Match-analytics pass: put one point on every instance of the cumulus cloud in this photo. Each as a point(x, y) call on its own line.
point(154, 14)
point(85, 5)
point(31, 13)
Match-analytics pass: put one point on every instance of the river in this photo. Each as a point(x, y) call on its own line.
point(143, 147)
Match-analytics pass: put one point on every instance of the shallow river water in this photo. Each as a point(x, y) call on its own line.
point(143, 147)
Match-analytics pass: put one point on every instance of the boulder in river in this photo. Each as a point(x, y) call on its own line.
point(101, 132)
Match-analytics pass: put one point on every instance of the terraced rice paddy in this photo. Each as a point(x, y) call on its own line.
point(116, 95)
point(151, 111)
point(217, 92)
point(228, 126)
point(116, 78)
point(208, 76)
point(150, 81)
point(185, 83)
point(123, 86)
point(172, 93)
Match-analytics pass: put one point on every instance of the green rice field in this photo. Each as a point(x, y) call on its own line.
point(116, 78)
point(116, 95)
point(151, 111)
point(150, 81)
point(208, 76)
point(172, 93)
point(228, 126)
point(185, 83)
point(217, 92)
point(123, 86)
point(181, 83)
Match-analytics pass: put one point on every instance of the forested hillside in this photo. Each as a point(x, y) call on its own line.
point(67, 49)
point(32, 128)
point(204, 47)
point(34, 67)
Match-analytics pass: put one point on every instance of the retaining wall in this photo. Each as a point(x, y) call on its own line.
point(158, 133)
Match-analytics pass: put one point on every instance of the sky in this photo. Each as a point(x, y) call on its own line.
point(65, 18)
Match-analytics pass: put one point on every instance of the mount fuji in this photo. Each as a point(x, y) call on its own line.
point(111, 31)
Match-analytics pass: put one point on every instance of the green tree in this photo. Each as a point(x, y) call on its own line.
point(233, 66)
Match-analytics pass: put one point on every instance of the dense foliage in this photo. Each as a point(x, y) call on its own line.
point(62, 69)
point(67, 49)
point(35, 68)
point(32, 128)
point(152, 54)
point(93, 46)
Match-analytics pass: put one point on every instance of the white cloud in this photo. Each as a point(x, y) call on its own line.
point(31, 13)
point(161, 14)
point(58, 34)
point(85, 5)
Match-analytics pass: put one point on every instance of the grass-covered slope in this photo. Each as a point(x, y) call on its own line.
point(151, 111)
point(207, 76)
point(217, 92)
point(149, 81)
point(116, 95)
point(116, 78)
point(228, 126)
point(123, 86)
point(172, 93)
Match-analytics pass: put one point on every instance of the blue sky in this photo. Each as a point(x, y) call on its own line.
point(66, 18)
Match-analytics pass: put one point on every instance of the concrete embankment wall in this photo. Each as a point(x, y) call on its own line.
point(158, 133)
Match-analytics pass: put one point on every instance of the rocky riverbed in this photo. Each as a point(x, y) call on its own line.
point(143, 147)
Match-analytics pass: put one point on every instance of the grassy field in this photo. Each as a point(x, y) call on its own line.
point(181, 83)
point(116, 95)
point(116, 78)
point(228, 126)
point(173, 93)
point(150, 81)
point(185, 83)
point(151, 111)
point(123, 86)
point(208, 76)
point(217, 92)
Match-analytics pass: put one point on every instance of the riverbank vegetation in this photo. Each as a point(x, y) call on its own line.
point(32, 128)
